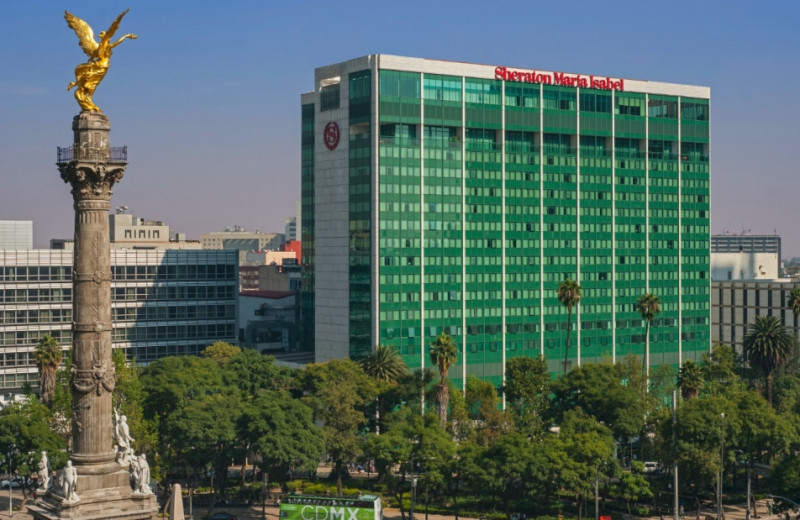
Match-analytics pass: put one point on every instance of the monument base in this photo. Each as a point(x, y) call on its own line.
point(102, 496)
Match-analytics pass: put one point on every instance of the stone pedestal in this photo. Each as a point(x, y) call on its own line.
point(103, 485)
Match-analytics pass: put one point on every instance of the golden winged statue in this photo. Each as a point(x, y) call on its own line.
point(88, 75)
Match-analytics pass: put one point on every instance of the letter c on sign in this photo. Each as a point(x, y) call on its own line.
point(303, 513)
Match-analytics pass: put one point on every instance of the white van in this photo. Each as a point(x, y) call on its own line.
point(651, 467)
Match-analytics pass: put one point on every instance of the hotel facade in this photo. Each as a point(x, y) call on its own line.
point(452, 197)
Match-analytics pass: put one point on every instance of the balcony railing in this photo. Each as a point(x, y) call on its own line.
point(71, 153)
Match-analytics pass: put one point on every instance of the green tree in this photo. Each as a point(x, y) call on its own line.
point(203, 431)
point(785, 476)
point(768, 345)
point(526, 391)
point(602, 391)
point(385, 366)
point(221, 352)
point(582, 452)
point(694, 441)
point(338, 391)
point(172, 382)
point(483, 410)
point(282, 432)
point(648, 305)
point(25, 431)
point(631, 486)
point(249, 372)
point(794, 304)
point(387, 450)
point(762, 434)
point(512, 468)
point(444, 354)
point(690, 379)
point(720, 370)
point(432, 451)
point(47, 355)
point(569, 295)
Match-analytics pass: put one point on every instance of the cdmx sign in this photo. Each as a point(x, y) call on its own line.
point(316, 512)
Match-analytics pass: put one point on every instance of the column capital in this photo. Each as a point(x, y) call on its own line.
point(92, 180)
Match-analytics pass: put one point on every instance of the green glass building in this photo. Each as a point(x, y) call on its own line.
point(452, 197)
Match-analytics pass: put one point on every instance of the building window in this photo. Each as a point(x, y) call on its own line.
point(329, 97)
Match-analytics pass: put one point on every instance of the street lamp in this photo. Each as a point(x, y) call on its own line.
point(675, 506)
point(721, 468)
point(413, 496)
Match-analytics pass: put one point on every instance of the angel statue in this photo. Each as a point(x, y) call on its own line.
point(88, 75)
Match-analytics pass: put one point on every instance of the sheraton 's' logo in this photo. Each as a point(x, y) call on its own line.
point(331, 135)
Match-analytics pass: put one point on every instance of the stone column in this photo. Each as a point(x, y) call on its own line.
point(92, 173)
point(104, 485)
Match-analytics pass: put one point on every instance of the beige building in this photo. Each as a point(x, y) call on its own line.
point(131, 232)
point(237, 238)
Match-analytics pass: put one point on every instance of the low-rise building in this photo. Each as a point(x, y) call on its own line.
point(268, 320)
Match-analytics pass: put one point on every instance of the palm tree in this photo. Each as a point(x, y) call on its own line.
point(569, 294)
point(384, 365)
point(768, 345)
point(444, 353)
point(648, 306)
point(794, 303)
point(690, 379)
point(47, 355)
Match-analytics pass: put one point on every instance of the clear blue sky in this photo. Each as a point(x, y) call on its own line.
point(207, 99)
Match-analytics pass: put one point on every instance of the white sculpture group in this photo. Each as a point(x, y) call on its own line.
point(140, 470)
point(68, 478)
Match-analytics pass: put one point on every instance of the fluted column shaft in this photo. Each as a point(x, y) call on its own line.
point(92, 174)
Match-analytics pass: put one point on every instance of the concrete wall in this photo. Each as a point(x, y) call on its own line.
point(745, 266)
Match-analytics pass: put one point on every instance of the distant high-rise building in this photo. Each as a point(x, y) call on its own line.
point(290, 228)
point(455, 197)
point(16, 234)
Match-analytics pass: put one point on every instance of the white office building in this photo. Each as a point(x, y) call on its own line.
point(164, 303)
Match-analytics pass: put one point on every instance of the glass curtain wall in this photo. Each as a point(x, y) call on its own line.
point(360, 235)
point(307, 230)
point(399, 247)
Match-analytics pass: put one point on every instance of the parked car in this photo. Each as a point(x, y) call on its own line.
point(222, 516)
point(651, 467)
point(14, 483)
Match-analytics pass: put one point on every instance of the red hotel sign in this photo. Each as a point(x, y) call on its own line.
point(331, 135)
point(559, 78)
